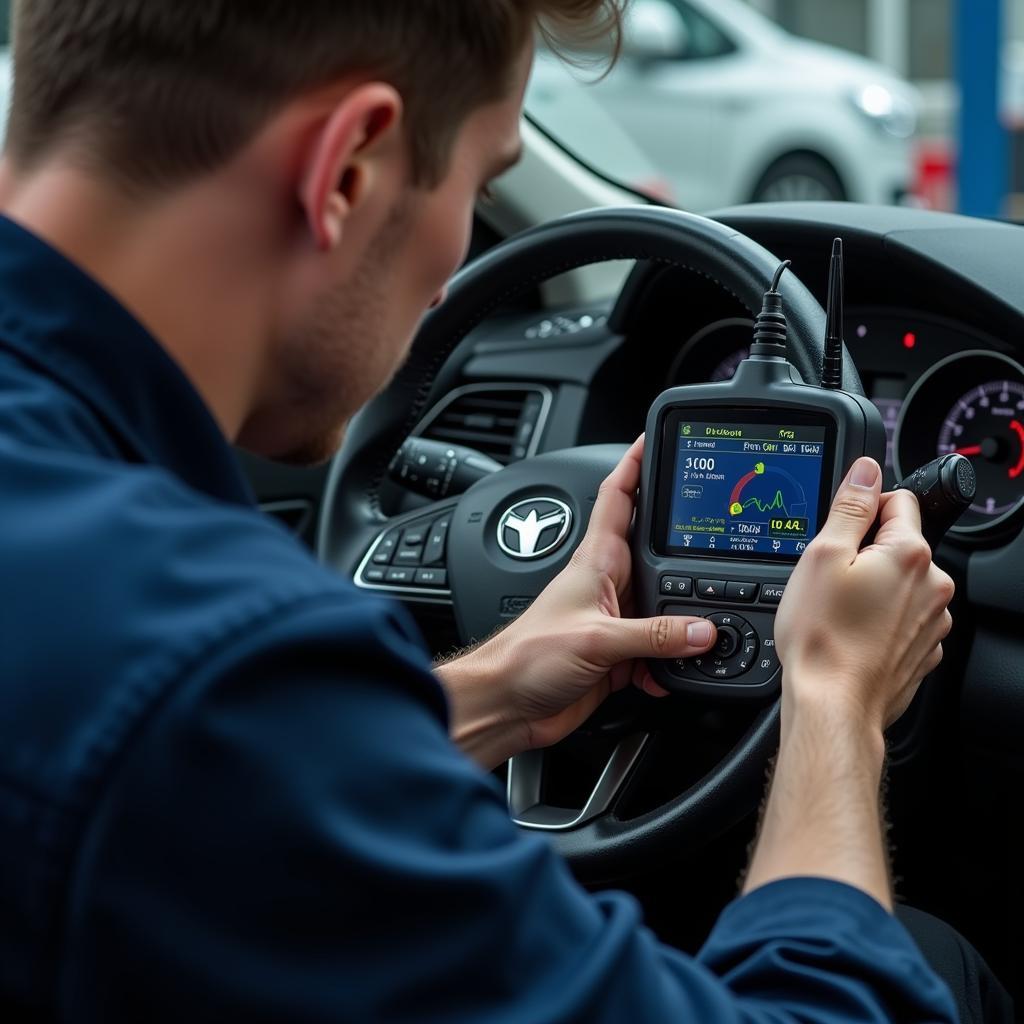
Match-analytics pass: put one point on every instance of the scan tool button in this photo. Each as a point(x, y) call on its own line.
point(728, 642)
point(771, 593)
point(677, 586)
point(713, 589)
point(764, 662)
point(741, 591)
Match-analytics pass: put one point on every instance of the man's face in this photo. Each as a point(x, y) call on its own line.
point(358, 330)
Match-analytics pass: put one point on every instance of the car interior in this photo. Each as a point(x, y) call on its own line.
point(545, 367)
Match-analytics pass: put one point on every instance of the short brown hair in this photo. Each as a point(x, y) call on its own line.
point(164, 90)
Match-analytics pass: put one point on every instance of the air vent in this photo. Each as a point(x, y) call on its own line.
point(504, 422)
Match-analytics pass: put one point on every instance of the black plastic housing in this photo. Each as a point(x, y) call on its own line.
point(761, 385)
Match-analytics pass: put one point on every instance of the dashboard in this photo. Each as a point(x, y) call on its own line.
point(940, 387)
point(934, 324)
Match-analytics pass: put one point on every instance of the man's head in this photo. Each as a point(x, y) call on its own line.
point(360, 132)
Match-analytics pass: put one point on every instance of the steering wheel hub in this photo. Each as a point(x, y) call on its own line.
point(492, 580)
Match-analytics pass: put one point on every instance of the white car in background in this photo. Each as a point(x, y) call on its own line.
point(6, 81)
point(729, 108)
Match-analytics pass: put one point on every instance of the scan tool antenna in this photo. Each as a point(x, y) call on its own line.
point(832, 370)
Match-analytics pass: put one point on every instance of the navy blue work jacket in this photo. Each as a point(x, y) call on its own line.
point(227, 791)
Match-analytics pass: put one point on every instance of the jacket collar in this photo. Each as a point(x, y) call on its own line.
point(66, 325)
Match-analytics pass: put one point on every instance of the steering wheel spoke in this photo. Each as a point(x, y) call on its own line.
point(526, 788)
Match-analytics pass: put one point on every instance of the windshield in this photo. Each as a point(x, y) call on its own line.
point(720, 102)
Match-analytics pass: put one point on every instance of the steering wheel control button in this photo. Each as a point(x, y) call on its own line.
point(437, 541)
point(386, 549)
point(432, 578)
point(401, 577)
point(409, 556)
point(741, 591)
point(677, 586)
point(374, 575)
point(771, 593)
point(712, 589)
point(414, 537)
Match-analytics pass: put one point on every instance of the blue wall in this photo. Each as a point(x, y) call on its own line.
point(984, 146)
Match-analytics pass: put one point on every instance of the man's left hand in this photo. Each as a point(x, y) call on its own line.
point(542, 677)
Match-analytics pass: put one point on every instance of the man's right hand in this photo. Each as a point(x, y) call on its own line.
point(860, 629)
point(857, 632)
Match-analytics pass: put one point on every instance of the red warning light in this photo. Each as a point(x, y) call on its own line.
point(909, 339)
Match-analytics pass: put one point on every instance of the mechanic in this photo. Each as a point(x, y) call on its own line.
point(227, 785)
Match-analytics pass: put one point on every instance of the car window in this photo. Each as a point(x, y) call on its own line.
point(5, 22)
point(704, 39)
point(723, 102)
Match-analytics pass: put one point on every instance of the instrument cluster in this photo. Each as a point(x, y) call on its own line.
point(940, 387)
point(971, 403)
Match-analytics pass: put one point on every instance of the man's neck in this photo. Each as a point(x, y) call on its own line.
point(186, 267)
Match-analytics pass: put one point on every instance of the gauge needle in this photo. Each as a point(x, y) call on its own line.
point(974, 449)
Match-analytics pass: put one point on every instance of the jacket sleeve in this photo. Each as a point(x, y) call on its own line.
point(292, 837)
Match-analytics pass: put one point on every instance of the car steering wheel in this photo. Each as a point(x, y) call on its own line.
point(485, 584)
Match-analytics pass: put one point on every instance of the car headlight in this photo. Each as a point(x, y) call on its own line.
point(893, 114)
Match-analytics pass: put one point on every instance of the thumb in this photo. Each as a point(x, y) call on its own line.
point(664, 636)
point(855, 506)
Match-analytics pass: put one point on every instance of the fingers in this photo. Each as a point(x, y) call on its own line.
point(645, 682)
point(930, 663)
point(942, 585)
point(665, 636)
point(652, 689)
point(935, 621)
point(854, 508)
point(613, 511)
point(899, 517)
point(901, 505)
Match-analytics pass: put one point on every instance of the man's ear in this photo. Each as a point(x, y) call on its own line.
point(339, 165)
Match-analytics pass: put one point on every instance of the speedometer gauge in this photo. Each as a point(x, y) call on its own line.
point(987, 425)
point(971, 403)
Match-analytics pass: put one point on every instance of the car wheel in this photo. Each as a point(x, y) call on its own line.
point(800, 177)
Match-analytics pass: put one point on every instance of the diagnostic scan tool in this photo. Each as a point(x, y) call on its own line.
point(738, 479)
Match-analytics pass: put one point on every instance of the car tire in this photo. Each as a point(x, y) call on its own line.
point(799, 177)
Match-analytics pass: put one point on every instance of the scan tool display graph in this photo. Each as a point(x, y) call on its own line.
point(746, 488)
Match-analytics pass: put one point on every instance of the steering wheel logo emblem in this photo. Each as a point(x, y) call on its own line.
point(534, 528)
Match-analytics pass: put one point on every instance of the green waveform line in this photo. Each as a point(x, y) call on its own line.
point(775, 505)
